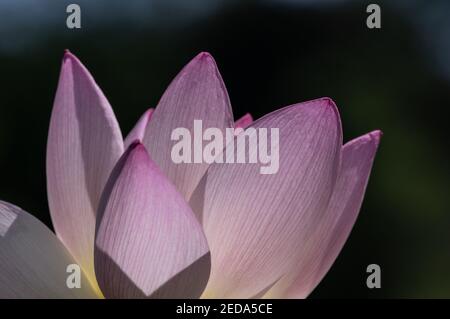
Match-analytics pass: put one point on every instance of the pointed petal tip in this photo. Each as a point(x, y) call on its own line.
point(136, 150)
point(70, 59)
point(371, 137)
point(323, 105)
point(319, 106)
point(329, 104)
point(204, 56)
point(202, 61)
point(248, 117)
point(76, 62)
point(149, 113)
point(69, 56)
point(377, 134)
point(136, 143)
point(138, 131)
point(326, 107)
point(137, 154)
point(244, 121)
point(333, 111)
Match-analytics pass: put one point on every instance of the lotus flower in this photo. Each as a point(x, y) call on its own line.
point(140, 225)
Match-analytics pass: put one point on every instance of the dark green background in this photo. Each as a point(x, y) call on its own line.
point(271, 54)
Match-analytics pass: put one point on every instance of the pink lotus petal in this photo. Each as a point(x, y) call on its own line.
point(137, 133)
point(148, 241)
point(244, 121)
point(340, 216)
point(197, 93)
point(33, 261)
point(253, 221)
point(84, 143)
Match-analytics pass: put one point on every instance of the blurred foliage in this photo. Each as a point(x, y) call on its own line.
point(271, 56)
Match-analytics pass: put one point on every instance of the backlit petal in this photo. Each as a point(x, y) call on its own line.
point(254, 221)
point(328, 239)
point(84, 143)
point(33, 262)
point(137, 133)
point(148, 241)
point(197, 93)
